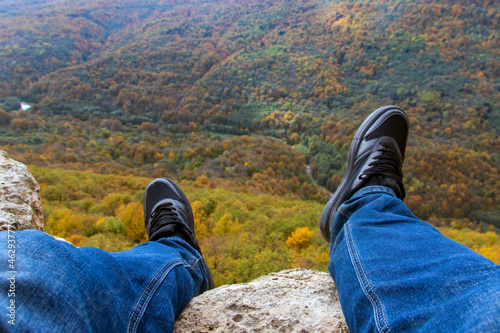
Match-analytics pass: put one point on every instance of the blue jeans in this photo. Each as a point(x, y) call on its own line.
point(395, 273)
point(59, 288)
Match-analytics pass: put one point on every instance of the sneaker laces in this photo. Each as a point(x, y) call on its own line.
point(163, 215)
point(388, 163)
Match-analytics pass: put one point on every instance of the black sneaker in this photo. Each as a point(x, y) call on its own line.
point(375, 158)
point(167, 212)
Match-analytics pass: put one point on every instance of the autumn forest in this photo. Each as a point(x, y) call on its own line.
point(251, 106)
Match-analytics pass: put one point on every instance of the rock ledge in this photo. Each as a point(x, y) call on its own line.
point(296, 300)
point(20, 205)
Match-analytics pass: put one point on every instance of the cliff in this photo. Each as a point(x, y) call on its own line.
point(20, 204)
point(297, 300)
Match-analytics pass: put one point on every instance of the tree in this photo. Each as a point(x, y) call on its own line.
point(132, 216)
point(5, 117)
point(226, 225)
point(62, 222)
point(300, 238)
point(199, 224)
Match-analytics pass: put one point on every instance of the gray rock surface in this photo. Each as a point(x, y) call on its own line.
point(20, 204)
point(297, 300)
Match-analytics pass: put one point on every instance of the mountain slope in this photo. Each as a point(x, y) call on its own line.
point(305, 73)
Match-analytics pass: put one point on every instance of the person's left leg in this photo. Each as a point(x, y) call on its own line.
point(50, 286)
point(56, 287)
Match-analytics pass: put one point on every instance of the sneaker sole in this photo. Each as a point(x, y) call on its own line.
point(340, 195)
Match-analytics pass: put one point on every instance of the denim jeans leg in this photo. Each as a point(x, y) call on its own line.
point(396, 273)
point(60, 288)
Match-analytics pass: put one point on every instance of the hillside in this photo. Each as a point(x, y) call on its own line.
point(241, 96)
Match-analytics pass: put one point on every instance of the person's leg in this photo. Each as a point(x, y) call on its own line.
point(59, 288)
point(396, 273)
point(47, 285)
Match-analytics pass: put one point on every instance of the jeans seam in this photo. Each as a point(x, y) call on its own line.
point(379, 314)
point(195, 262)
point(146, 294)
point(197, 257)
point(344, 212)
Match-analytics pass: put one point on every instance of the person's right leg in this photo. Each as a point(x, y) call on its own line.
point(394, 272)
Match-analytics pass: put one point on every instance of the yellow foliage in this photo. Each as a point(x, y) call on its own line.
point(323, 259)
point(294, 138)
point(486, 244)
point(114, 200)
point(201, 181)
point(109, 242)
point(226, 226)
point(62, 222)
point(77, 240)
point(200, 228)
point(132, 215)
point(491, 252)
point(299, 238)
